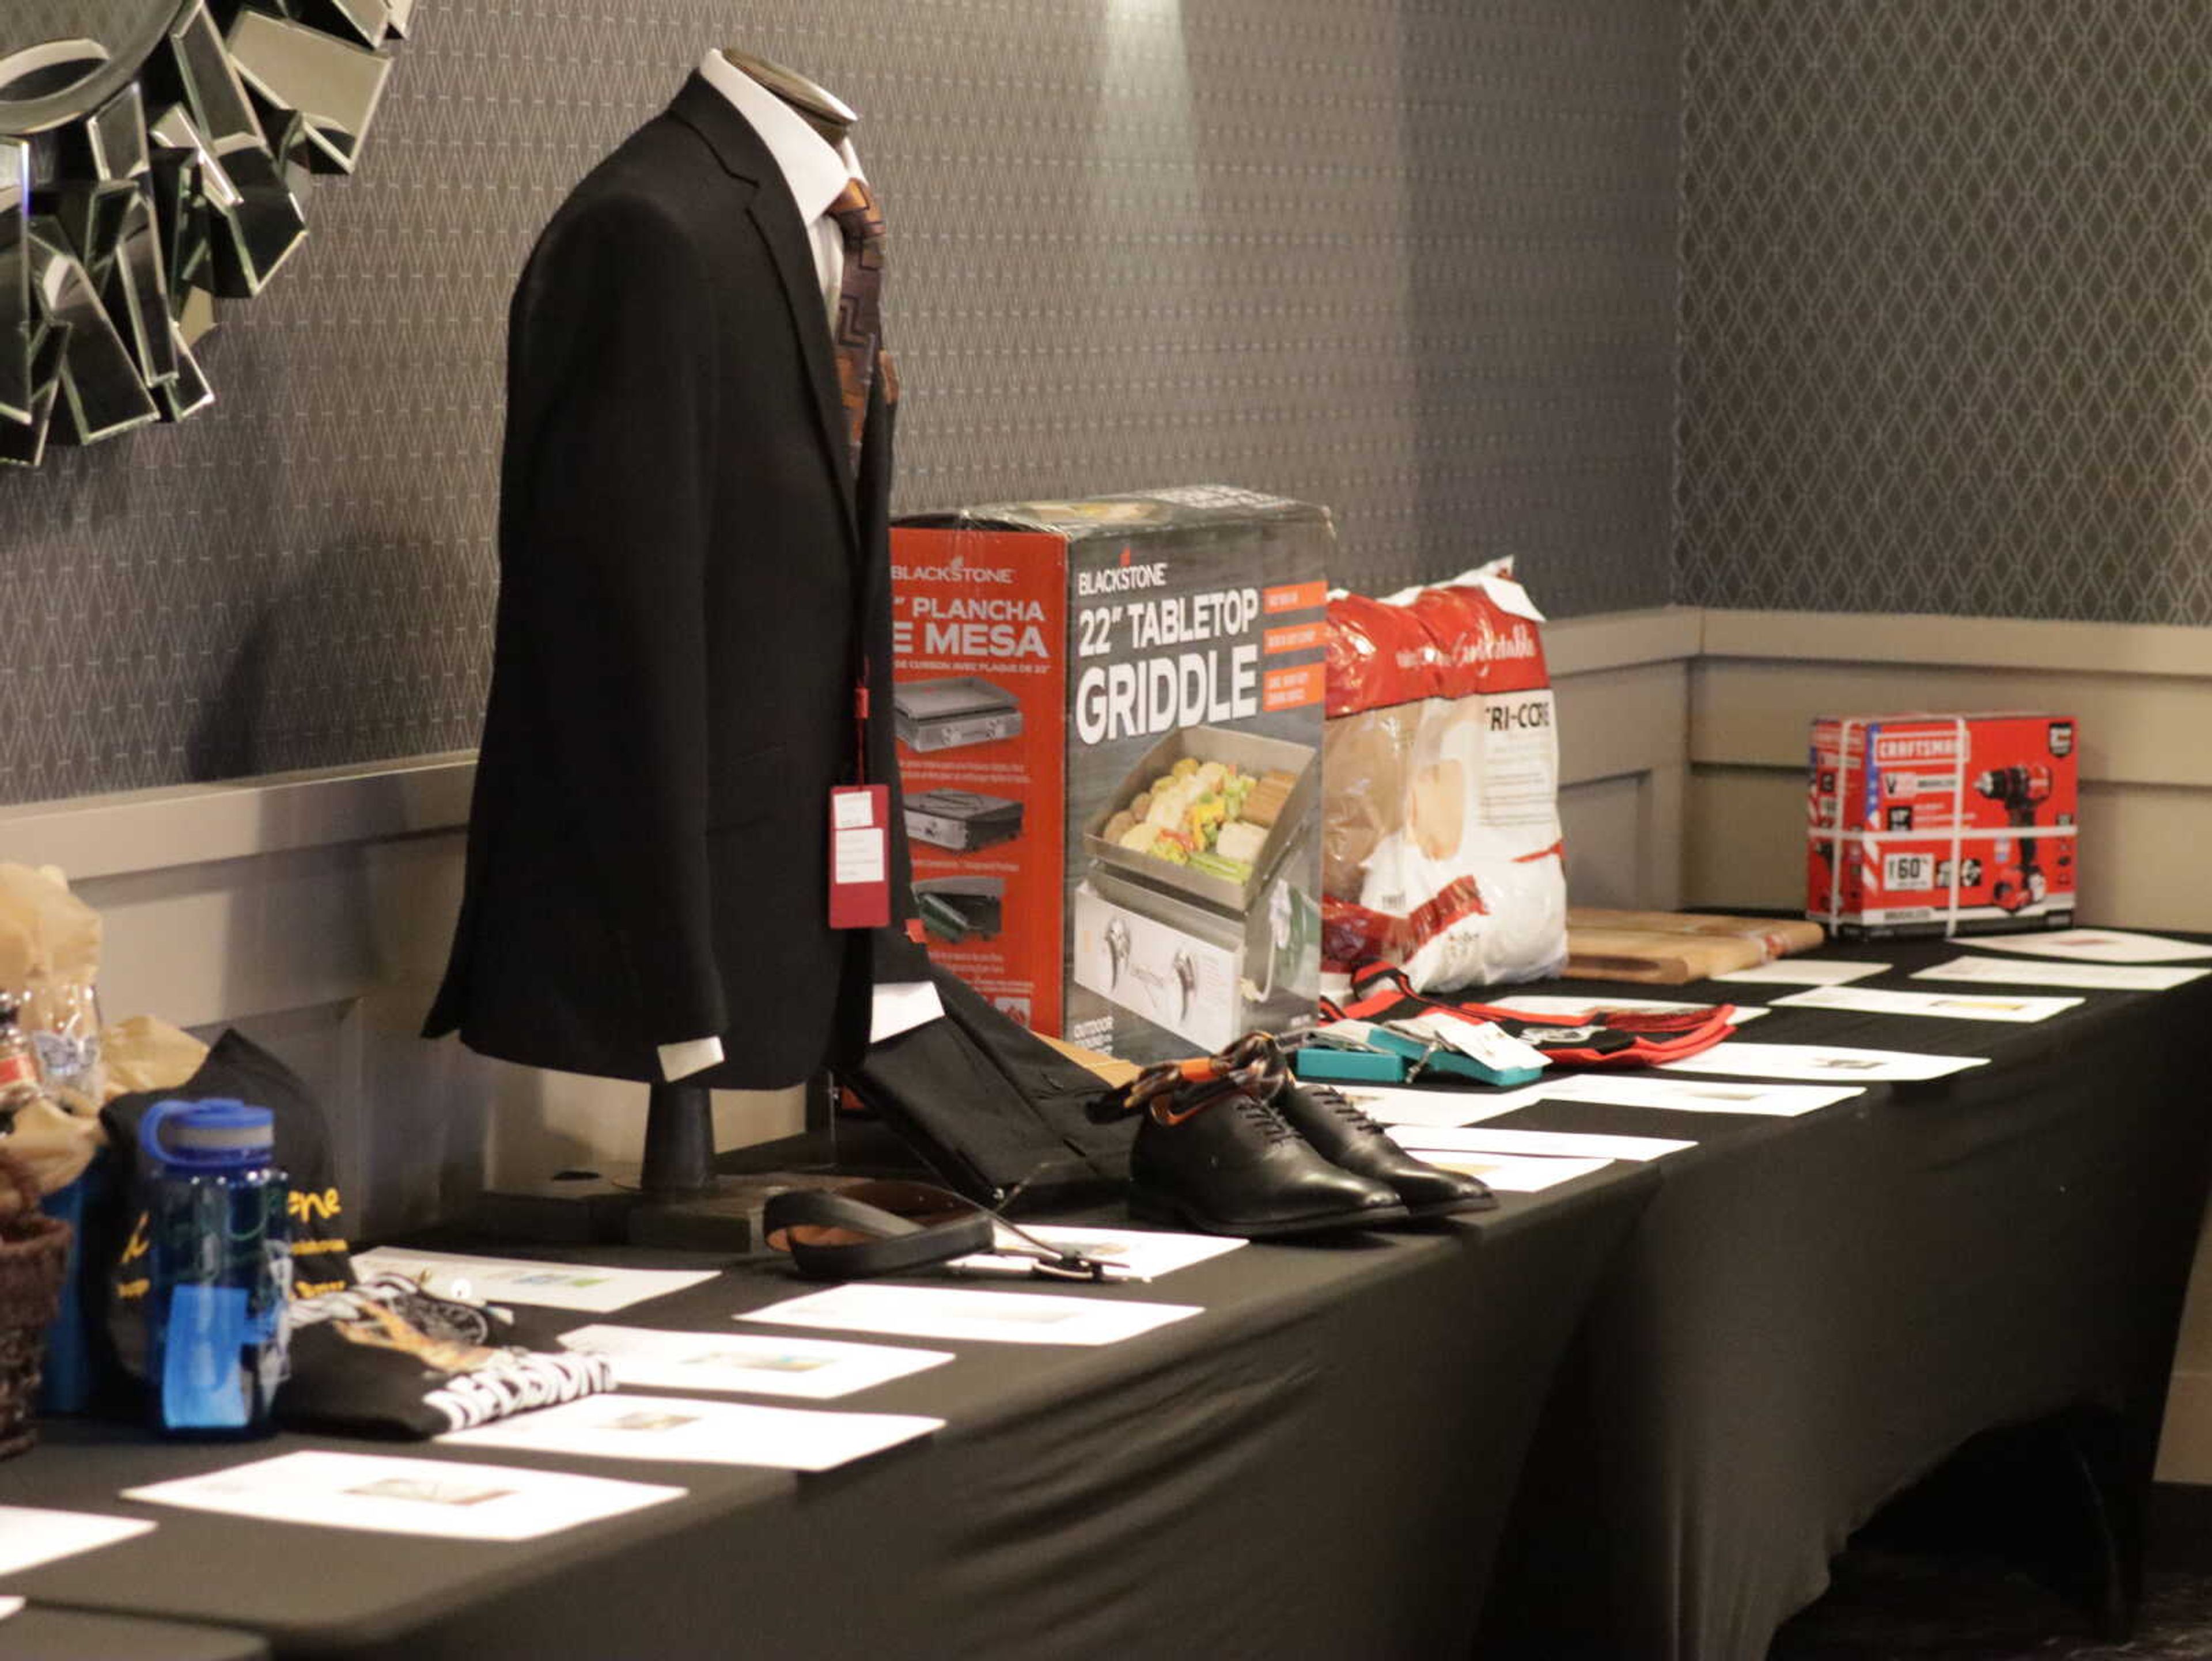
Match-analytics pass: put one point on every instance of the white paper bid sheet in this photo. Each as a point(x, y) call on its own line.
point(1941, 1006)
point(933, 1312)
point(1562, 1144)
point(1135, 1254)
point(1831, 1063)
point(2098, 945)
point(1512, 1174)
point(1684, 1095)
point(576, 1286)
point(1805, 972)
point(30, 1535)
point(1392, 1105)
point(2035, 972)
point(699, 1432)
point(813, 1369)
point(387, 1494)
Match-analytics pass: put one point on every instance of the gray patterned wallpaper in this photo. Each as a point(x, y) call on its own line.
point(1947, 307)
point(1413, 258)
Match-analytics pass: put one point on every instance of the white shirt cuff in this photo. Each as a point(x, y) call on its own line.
point(694, 1055)
point(902, 1005)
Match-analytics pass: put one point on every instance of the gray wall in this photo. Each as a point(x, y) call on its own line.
point(1413, 258)
point(1946, 308)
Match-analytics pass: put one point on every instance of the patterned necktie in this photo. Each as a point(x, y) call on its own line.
point(859, 327)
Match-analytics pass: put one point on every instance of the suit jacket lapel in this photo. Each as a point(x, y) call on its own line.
point(776, 215)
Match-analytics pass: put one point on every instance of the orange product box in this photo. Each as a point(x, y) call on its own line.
point(1942, 824)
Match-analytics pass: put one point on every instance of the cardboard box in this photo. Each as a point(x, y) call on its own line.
point(1933, 824)
point(1062, 657)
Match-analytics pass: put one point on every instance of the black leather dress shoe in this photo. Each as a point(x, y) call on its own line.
point(1231, 1165)
point(1347, 1137)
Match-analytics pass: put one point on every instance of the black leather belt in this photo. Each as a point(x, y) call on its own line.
point(887, 1228)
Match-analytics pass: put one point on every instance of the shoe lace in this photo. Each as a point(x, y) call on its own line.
point(1337, 1104)
point(1264, 1118)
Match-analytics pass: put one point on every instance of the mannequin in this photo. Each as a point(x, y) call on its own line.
point(695, 581)
point(902, 1004)
point(822, 109)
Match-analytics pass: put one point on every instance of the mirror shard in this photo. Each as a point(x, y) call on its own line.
point(117, 134)
point(188, 392)
point(26, 446)
point(370, 21)
point(137, 293)
point(100, 392)
point(333, 87)
point(16, 334)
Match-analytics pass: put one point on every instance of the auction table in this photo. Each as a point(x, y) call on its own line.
point(1815, 1312)
point(1317, 1465)
point(1713, 1367)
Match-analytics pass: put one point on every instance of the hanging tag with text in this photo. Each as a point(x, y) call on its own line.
point(859, 857)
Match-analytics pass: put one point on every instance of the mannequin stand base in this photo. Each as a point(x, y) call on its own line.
point(681, 1197)
point(605, 1208)
point(574, 1207)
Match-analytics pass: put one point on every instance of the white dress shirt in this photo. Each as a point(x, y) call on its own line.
point(816, 169)
point(816, 173)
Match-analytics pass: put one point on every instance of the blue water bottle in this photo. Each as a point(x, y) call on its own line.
point(222, 1267)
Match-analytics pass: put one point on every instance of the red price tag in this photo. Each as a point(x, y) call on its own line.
point(859, 857)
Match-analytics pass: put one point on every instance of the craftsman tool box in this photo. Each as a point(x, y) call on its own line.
point(1942, 824)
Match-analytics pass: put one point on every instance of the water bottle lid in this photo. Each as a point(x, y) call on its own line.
point(221, 1133)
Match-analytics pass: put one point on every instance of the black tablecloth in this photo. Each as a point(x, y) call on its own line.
point(1318, 1466)
point(1770, 1333)
point(1814, 1311)
point(47, 1635)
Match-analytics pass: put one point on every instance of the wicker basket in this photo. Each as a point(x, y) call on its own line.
point(33, 1258)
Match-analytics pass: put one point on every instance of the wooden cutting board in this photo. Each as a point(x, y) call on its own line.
point(1670, 948)
point(1664, 959)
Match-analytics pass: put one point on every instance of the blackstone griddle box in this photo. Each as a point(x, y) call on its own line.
point(957, 711)
point(1126, 633)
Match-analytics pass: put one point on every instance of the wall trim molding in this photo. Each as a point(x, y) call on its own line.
point(135, 831)
point(2010, 643)
point(130, 832)
point(1623, 640)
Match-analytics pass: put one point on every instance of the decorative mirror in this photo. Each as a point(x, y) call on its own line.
point(155, 158)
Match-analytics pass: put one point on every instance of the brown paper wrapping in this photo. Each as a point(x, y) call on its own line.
point(49, 960)
point(55, 1145)
point(147, 1053)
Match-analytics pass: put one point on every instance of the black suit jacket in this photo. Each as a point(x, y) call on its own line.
point(688, 586)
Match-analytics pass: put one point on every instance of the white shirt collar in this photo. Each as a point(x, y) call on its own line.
point(815, 172)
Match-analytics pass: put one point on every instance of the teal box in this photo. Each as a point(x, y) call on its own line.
point(1325, 1065)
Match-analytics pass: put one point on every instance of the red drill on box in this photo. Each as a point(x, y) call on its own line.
point(1936, 824)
